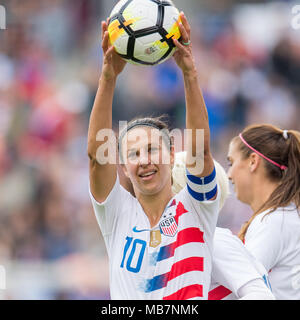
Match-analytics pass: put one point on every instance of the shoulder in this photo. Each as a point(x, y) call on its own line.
point(221, 233)
point(283, 217)
point(118, 199)
point(225, 242)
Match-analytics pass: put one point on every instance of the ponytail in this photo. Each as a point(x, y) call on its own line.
point(283, 147)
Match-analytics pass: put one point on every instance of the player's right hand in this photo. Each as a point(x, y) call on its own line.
point(113, 64)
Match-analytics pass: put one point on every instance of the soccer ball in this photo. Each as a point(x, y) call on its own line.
point(141, 31)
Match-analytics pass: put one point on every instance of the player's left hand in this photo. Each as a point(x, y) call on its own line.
point(183, 55)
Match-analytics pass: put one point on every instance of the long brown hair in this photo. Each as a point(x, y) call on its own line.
point(284, 149)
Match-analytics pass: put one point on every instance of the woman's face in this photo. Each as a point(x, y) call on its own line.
point(148, 161)
point(239, 173)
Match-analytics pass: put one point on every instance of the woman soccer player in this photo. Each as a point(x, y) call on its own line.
point(265, 170)
point(159, 245)
point(236, 274)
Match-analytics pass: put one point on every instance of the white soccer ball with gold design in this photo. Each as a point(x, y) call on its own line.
point(141, 31)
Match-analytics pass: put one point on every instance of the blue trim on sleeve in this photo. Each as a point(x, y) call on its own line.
point(196, 195)
point(202, 196)
point(211, 193)
point(201, 180)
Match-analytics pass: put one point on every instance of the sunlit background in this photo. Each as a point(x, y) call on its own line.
point(248, 57)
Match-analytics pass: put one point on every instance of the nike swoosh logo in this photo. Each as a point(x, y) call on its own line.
point(142, 230)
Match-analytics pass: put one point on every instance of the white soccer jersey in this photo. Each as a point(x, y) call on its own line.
point(275, 241)
point(169, 261)
point(233, 267)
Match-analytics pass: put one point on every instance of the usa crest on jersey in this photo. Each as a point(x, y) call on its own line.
point(168, 227)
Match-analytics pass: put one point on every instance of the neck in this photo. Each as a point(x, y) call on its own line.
point(262, 191)
point(154, 205)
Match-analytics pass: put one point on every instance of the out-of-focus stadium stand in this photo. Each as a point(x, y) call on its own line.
point(248, 56)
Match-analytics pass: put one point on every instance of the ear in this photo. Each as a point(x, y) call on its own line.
point(254, 162)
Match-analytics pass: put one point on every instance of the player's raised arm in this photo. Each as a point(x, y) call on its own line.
point(196, 113)
point(199, 162)
point(103, 173)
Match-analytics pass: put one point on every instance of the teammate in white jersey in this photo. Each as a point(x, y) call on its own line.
point(236, 274)
point(265, 171)
point(159, 245)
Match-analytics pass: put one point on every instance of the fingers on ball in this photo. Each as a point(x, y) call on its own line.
point(185, 23)
point(105, 41)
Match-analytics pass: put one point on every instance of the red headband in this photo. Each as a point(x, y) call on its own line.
point(282, 167)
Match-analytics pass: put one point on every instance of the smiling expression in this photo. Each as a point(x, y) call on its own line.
point(148, 160)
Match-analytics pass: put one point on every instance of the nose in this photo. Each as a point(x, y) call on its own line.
point(144, 158)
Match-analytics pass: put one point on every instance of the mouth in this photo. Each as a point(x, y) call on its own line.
point(145, 176)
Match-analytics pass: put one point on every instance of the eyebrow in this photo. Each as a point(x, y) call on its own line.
point(149, 145)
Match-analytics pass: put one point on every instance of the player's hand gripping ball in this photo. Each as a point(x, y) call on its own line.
point(141, 31)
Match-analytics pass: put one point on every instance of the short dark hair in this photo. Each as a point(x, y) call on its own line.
point(158, 123)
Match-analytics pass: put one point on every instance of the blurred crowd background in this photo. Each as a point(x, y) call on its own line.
point(248, 57)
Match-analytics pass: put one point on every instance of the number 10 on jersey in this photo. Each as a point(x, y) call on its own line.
point(133, 254)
